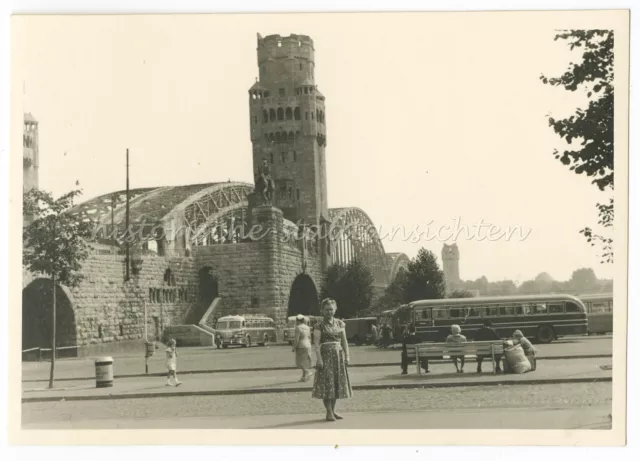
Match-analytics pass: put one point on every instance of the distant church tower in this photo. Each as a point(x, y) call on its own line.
point(451, 266)
point(30, 157)
point(287, 117)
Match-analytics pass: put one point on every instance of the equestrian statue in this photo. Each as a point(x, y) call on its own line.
point(265, 185)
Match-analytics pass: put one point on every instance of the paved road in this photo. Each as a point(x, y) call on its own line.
point(209, 358)
point(276, 380)
point(561, 406)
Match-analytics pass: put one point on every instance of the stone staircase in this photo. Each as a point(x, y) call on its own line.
point(197, 333)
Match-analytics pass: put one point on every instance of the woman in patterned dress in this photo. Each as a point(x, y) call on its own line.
point(332, 379)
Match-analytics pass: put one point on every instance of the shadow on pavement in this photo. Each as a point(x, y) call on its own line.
point(436, 376)
point(294, 424)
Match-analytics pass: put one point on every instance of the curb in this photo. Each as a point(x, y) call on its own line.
point(236, 370)
point(362, 387)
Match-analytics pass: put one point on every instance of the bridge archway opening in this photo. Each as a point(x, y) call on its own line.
point(208, 285)
point(37, 316)
point(207, 292)
point(303, 297)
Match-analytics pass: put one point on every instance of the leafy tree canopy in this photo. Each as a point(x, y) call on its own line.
point(591, 127)
point(351, 285)
point(55, 243)
point(461, 294)
point(425, 279)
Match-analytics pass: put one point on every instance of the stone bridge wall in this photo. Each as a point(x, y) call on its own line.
point(108, 309)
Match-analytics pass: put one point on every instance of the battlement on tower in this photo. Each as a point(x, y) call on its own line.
point(273, 47)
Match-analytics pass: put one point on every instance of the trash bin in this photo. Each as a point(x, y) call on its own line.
point(104, 372)
point(151, 347)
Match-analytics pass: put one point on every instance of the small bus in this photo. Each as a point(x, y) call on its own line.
point(542, 318)
point(289, 332)
point(359, 330)
point(245, 330)
point(599, 312)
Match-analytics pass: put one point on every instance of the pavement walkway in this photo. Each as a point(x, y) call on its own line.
point(269, 381)
point(208, 359)
point(594, 417)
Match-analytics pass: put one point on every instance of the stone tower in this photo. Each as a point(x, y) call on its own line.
point(287, 117)
point(451, 266)
point(30, 157)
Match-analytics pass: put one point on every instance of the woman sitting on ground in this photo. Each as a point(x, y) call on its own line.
point(456, 337)
point(527, 347)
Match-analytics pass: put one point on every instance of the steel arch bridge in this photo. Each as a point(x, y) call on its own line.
point(354, 236)
point(198, 214)
point(182, 217)
point(396, 262)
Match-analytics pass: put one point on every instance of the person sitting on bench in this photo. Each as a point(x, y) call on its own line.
point(456, 337)
point(487, 333)
point(409, 337)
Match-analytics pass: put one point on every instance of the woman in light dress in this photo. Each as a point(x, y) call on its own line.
point(332, 352)
point(302, 347)
point(172, 362)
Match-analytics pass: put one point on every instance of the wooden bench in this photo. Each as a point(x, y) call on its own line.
point(439, 350)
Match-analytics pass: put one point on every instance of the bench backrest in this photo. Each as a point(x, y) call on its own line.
point(471, 347)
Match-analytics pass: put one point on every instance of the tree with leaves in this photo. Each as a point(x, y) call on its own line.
point(592, 127)
point(584, 280)
point(461, 294)
point(395, 293)
point(425, 279)
point(54, 244)
point(351, 285)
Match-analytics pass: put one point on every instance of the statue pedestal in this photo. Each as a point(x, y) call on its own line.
point(267, 222)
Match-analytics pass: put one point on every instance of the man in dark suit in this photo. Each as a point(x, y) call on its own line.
point(409, 337)
point(487, 333)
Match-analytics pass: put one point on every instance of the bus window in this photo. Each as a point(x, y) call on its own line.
point(523, 309)
point(491, 311)
point(571, 307)
point(439, 313)
point(244, 324)
point(424, 314)
point(540, 308)
point(454, 313)
point(598, 308)
point(556, 308)
point(472, 312)
point(506, 310)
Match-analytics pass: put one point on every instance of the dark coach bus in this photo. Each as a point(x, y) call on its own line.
point(599, 312)
point(540, 317)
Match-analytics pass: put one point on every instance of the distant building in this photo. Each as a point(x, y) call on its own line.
point(30, 155)
point(451, 267)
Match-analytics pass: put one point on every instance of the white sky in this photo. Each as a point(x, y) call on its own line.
point(429, 118)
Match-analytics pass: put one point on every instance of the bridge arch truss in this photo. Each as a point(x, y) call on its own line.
point(353, 236)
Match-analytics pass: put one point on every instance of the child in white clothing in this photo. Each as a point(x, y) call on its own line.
point(172, 362)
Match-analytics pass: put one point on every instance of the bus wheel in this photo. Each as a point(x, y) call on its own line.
point(224, 346)
point(247, 342)
point(356, 340)
point(545, 334)
point(266, 340)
